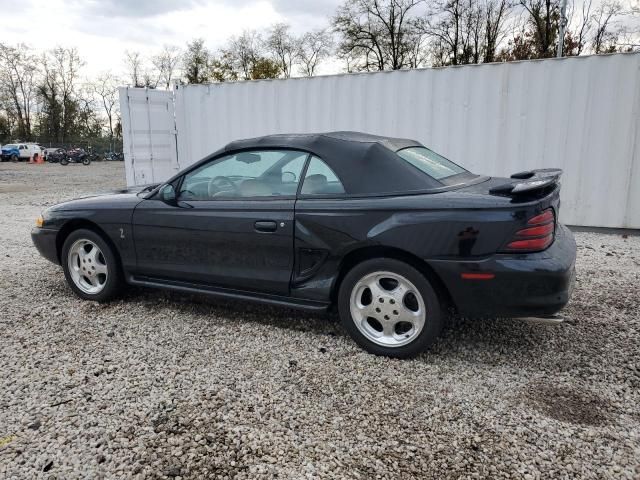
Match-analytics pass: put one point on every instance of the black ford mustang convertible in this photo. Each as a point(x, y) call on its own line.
point(388, 231)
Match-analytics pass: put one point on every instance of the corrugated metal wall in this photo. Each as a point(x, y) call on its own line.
point(581, 114)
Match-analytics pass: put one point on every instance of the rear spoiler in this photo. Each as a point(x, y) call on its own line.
point(529, 181)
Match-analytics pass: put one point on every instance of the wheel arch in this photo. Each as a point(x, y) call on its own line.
point(360, 255)
point(81, 223)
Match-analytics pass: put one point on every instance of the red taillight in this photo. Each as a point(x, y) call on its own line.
point(536, 231)
point(545, 217)
point(537, 237)
point(532, 244)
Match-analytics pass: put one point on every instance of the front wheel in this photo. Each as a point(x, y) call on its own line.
point(86, 161)
point(389, 308)
point(64, 161)
point(90, 266)
point(14, 158)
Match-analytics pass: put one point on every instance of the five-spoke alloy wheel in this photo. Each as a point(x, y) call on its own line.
point(389, 308)
point(90, 266)
point(87, 266)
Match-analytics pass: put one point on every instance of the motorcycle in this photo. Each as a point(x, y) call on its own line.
point(56, 156)
point(76, 155)
point(113, 156)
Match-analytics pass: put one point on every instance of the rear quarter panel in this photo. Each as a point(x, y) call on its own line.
point(453, 225)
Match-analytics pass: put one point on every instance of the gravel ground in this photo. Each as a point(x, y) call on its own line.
point(161, 385)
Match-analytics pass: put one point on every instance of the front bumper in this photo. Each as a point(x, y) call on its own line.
point(45, 241)
point(532, 284)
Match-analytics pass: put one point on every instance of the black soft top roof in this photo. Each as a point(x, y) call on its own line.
point(365, 164)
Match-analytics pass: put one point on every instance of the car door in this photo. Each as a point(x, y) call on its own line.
point(231, 224)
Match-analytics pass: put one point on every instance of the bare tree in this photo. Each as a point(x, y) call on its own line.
point(105, 89)
point(134, 65)
point(59, 87)
point(465, 31)
point(417, 54)
point(582, 29)
point(243, 52)
point(605, 38)
point(495, 15)
point(244, 58)
point(543, 19)
point(18, 85)
point(87, 121)
point(314, 47)
point(474, 29)
point(282, 46)
point(165, 64)
point(377, 32)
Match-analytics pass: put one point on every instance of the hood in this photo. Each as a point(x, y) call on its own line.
point(116, 199)
point(136, 189)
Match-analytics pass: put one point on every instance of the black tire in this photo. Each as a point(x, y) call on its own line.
point(64, 161)
point(434, 313)
point(86, 161)
point(114, 279)
point(14, 158)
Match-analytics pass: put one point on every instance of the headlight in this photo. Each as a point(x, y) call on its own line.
point(39, 221)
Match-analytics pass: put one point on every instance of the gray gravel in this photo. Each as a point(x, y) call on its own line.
point(161, 385)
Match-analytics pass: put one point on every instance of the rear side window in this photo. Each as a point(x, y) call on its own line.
point(320, 179)
point(429, 162)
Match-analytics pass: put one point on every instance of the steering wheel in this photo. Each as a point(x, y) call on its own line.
point(214, 185)
point(293, 176)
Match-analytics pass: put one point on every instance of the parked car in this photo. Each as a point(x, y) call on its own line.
point(386, 230)
point(20, 151)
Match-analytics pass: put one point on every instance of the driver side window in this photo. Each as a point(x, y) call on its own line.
point(266, 173)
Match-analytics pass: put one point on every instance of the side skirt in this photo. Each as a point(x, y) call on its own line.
point(277, 300)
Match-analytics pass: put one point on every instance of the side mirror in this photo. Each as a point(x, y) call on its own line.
point(168, 195)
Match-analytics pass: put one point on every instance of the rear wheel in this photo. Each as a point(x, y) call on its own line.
point(64, 161)
point(90, 266)
point(14, 158)
point(389, 308)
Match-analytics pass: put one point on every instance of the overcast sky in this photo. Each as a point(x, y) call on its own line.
point(103, 29)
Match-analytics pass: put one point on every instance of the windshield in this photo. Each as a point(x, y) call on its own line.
point(428, 161)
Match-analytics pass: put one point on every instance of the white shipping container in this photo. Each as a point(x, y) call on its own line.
point(581, 114)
